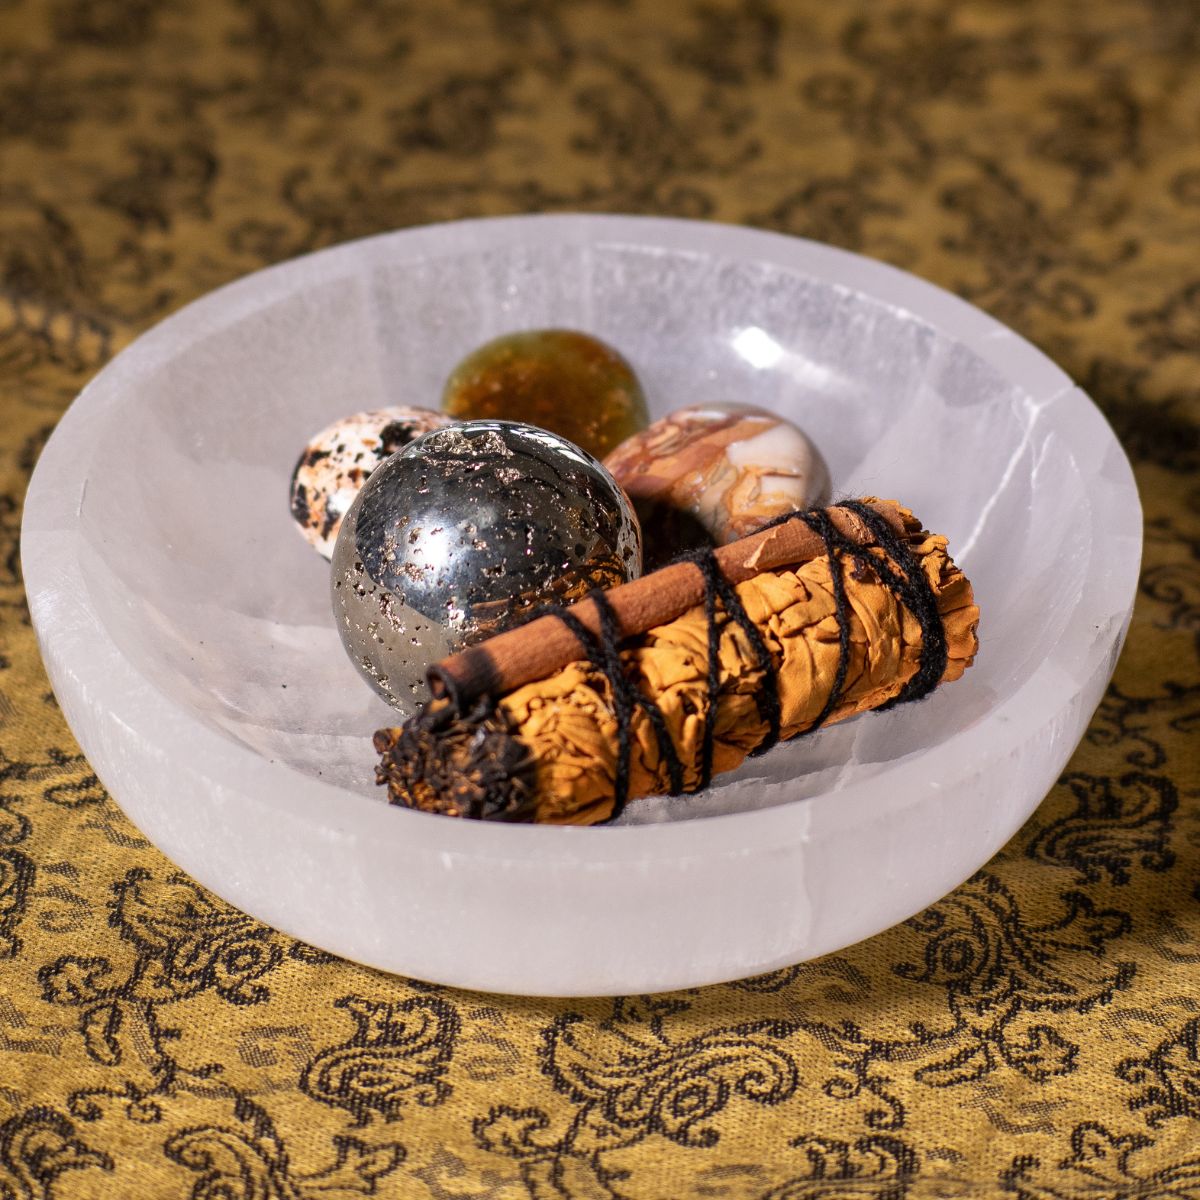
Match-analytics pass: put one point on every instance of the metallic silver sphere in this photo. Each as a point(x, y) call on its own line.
point(462, 534)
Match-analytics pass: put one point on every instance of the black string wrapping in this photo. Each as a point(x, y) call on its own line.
point(604, 654)
point(717, 587)
point(818, 521)
point(915, 594)
point(708, 568)
point(909, 585)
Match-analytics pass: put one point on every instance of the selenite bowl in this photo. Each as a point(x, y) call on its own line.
point(187, 630)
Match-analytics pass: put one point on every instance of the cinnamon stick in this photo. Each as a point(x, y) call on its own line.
point(545, 645)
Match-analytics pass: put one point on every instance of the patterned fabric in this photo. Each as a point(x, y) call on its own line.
point(1037, 1033)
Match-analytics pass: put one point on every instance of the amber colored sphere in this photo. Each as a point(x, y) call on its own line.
point(565, 381)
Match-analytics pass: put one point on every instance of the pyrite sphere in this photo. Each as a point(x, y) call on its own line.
point(463, 533)
point(558, 379)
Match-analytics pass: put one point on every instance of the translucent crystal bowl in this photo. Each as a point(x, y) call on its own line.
point(186, 627)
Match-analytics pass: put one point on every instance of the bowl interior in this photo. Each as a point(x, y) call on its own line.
point(194, 565)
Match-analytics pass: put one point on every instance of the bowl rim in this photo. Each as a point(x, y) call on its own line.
point(66, 620)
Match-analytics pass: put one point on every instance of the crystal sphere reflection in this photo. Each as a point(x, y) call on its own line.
point(462, 534)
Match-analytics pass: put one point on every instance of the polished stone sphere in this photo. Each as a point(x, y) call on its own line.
point(339, 460)
point(464, 533)
point(712, 473)
point(558, 379)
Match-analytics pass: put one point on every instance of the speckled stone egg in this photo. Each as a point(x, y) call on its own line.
point(464, 533)
point(340, 459)
point(713, 473)
point(559, 379)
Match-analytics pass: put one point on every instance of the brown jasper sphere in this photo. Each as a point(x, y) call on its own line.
point(559, 379)
point(712, 473)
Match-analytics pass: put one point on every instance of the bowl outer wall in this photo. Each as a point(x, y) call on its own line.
point(564, 911)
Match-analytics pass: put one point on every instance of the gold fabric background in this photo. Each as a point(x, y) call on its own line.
point(1036, 1033)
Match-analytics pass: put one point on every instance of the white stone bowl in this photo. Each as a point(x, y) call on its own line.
point(186, 627)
